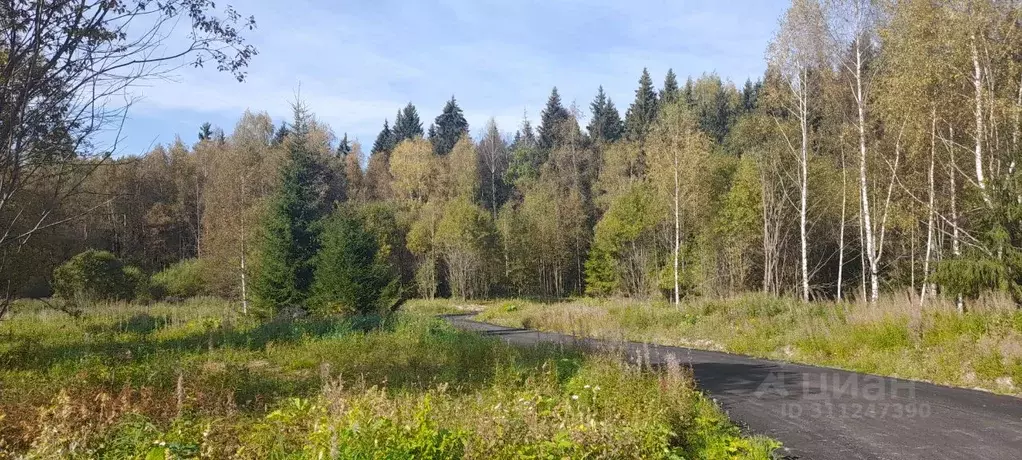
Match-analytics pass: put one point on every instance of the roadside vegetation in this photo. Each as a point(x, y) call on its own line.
point(895, 337)
point(197, 379)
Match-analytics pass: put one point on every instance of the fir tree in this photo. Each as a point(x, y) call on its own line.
point(449, 127)
point(205, 132)
point(670, 91)
point(407, 124)
point(289, 240)
point(344, 147)
point(689, 92)
point(351, 276)
point(551, 121)
point(605, 125)
point(643, 111)
point(750, 95)
point(384, 141)
point(281, 134)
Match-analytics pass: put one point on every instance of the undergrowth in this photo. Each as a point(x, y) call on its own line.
point(197, 380)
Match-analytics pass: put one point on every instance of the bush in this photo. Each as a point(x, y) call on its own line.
point(94, 275)
point(183, 279)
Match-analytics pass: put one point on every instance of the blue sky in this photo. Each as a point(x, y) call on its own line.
point(358, 62)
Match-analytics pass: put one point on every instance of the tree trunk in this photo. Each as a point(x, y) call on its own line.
point(867, 218)
point(977, 82)
point(841, 233)
point(677, 230)
point(804, 186)
point(931, 213)
point(956, 248)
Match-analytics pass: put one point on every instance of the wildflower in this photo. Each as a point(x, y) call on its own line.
point(586, 387)
point(575, 397)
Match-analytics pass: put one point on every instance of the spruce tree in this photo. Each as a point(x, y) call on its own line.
point(343, 147)
point(605, 125)
point(205, 132)
point(289, 240)
point(643, 111)
point(449, 127)
point(351, 275)
point(750, 95)
point(407, 125)
point(384, 141)
point(551, 121)
point(689, 92)
point(670, 91)
point(281, 134)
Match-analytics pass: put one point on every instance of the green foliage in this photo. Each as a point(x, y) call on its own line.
point(407, 124)
point(448, 128)
point(670, 92)
point(92, 276)
point(410, 386)
point(466, 238)
point(552, 119)
point(623, 250)
point(184, 279)
point(289, 240)
point(605, 124)
point(343, 147)
point(999, 267)
point(352, 275)
point(642, 113)
point(970, 277)
point(385, 141)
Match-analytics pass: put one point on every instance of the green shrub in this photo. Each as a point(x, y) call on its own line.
point(93, 275)
point(183, 279)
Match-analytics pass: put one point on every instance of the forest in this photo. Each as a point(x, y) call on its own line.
point(876, 154)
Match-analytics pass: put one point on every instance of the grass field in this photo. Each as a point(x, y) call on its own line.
point(197, 380)
point(896, 337)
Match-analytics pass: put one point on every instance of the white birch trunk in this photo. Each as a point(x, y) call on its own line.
point(977, 82)
point(677, 230)
point(867, 218)
point(841, 234)
point(931, 212)
point(804, 178)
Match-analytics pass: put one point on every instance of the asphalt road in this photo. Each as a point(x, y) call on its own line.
point(823, 413)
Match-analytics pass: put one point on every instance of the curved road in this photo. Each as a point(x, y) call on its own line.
point(823, 413)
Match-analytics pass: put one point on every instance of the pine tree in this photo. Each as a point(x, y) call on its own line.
point(605, 125)
point(289, 229)
point(670, 92)
point(551, 119)
point(344, 147)
point(384, 141)
point(689, 92)
point(407, 124)
point(448, 128)
point(643, 111)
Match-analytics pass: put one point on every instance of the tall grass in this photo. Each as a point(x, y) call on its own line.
point(895, 337)
point(199, 380)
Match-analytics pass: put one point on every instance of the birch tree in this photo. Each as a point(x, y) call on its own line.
point(797, 54)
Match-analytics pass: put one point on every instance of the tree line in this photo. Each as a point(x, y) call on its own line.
point(878, 152)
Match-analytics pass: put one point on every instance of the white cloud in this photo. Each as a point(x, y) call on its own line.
point(358, 63)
